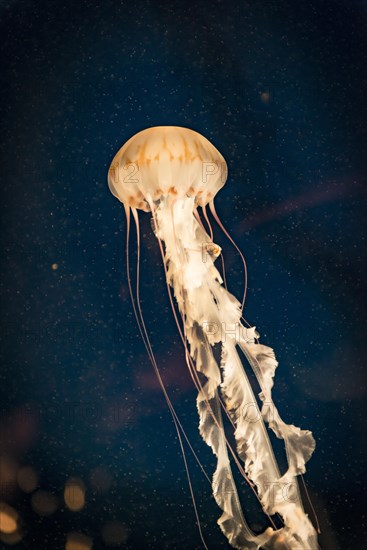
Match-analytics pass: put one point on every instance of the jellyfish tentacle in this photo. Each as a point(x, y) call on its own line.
point(219, 222)
point(299, 444)
point(197, 287)
point(232, 521)
point(278, 494)
point(184, 333)
point(180, 289)
point(244, 263)
point(204, 302)
point(146, 340)
point(145, 337)
point(208, 222)
point(316, 519)
point(250, 431)
point(211, 428)
point(223, 273)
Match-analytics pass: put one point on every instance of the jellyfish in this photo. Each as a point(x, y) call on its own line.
point(174, 173)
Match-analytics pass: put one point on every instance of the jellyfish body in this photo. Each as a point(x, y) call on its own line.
point(170, 172)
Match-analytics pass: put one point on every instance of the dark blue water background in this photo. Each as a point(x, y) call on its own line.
point(279, 87)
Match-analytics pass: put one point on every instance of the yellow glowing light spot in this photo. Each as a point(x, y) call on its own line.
point(115, 533)
point(44, 503)
point(54, 267)
point(27, 479)
point(74, 494)
point(78, 541)
point(8, 519)
point(265, 97)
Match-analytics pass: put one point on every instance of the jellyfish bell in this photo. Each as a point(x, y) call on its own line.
point(166, 161)
point(174, 173)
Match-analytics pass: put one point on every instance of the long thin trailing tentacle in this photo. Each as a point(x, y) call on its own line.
point(148, 346)
point(142, 328)
point(212, 238)
point(217, 219)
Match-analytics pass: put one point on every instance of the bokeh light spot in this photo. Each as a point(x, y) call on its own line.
point(27, 479)
point(44, 503)
point(8, 519)
point(78, 541)
point(265, 97)
point(74, 494)
point(11, 538)
point(115, 533)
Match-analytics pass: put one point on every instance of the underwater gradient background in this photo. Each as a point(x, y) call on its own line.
point(279, 87)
